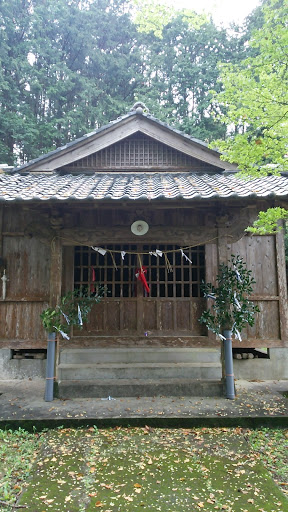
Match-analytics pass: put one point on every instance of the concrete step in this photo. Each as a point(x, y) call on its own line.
point(139, 355)
point(139, 370)
point(140, 387)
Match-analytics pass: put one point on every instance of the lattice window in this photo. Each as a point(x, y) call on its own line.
point(119, 275)
point(137, 151)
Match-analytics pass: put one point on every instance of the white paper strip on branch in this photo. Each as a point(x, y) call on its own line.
point(237, 275)
point(237, 303)
point(210, 296)
point(186, 257)
point(238, 335)
point(63, 334)
point(123, 254)
point(65, 316)
point(100, 250)
point(221, 337)
point(80, 321)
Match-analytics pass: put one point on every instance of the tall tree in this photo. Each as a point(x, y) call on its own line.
point(15, 19)
point(181, 50)
point(77, 66)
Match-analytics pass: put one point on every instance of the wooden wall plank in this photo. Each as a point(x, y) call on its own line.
point(20, 321)
point(28, 263)
point(282, 286)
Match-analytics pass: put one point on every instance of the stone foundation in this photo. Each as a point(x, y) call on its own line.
point(273, 368)
point(20, 368)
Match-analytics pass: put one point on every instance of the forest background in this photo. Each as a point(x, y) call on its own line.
point(70, 66)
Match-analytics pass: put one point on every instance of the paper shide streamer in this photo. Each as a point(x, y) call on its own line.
point(156, 253)
point(237, 333)
point(80, 321)
point(63, 334)
point(237, 274)
point(185, 256)
point(65, 316)
point(100, 250)
point(236, 301)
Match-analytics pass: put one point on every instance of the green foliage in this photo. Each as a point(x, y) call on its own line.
point(230, 308)
point(65, 314)
point(180, 54)
point(267, 222)
point(255, 96)
point(67, 67)
point(153, 17)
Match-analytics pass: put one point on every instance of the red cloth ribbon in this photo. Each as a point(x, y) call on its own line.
point(140, 274)
point(93, 279)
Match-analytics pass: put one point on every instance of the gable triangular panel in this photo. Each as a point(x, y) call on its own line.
point(138, 151)
point(117, 133)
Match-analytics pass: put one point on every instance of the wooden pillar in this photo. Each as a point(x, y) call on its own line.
point(55, 271)
point(282, 285)
point(222, 245)
point(56, 282)
point(68, 269)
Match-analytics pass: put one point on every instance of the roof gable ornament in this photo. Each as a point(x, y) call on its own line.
point(140, 108)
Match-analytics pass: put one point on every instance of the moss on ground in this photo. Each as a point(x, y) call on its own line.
point(57, 481)
point(167, 470)
point(179, 470)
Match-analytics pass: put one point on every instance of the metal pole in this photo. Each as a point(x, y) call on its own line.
point(230, 388)
point(50, 367)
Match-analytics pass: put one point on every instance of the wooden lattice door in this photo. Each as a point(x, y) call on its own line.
point(173, 305)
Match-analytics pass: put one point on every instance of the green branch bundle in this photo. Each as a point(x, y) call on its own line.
point(230, 308)
point(66, 314)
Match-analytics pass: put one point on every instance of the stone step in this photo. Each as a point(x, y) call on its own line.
point(139, 355)
point(120, 371)
point(140, 387)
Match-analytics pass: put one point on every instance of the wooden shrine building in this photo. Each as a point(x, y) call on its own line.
point(136, 192)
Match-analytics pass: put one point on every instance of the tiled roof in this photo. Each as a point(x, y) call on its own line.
point(138, 185)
